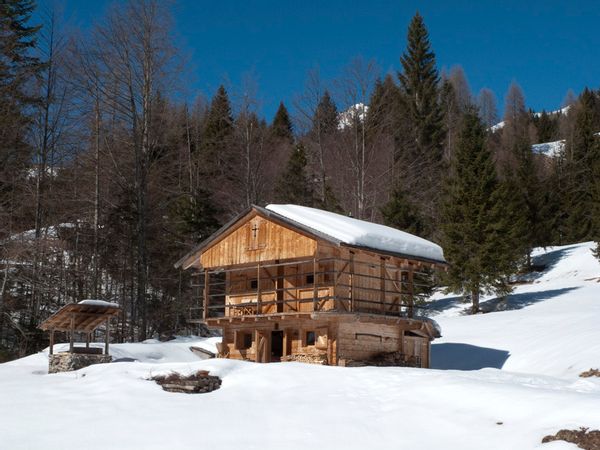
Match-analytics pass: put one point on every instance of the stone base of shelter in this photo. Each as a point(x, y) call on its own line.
point(66, 362)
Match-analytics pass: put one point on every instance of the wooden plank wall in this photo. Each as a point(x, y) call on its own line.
point(257, 239)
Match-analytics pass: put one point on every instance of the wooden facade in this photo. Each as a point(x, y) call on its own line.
point(279, 292)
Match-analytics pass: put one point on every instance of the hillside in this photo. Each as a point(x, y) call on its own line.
point(503, 380)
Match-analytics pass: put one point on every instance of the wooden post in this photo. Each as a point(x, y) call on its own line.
point(72, 338)
point(257, 345)
point(351, 279)
point(279, 288)
point(87, 341)
point(315, 288)
point(285, 342)
point(206, 294)
point(258, 295)
point(382, 281)
point(401, 283)
point(107, 336)
point(411, 292)
point(51, 350)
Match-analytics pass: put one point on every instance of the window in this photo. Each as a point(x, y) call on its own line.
point(243, 340)
point(310, 279)
point(247, 342)
point(310, 338)
point(254, 284)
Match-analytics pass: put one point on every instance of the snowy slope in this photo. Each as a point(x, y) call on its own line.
point(534, 351)
point(550, 149)
point(550, 326)
point(501, 124)
point(360, 232)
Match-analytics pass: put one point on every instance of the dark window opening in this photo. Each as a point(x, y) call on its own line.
point(253, 284)
point(310, 279)
point(310, 338)
point(247, 343)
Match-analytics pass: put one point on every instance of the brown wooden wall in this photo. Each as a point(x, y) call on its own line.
point(257, 239)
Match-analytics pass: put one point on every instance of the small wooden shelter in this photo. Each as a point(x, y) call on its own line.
point(83, 317)
point(287, 282)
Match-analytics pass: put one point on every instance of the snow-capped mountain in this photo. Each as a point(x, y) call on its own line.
point(349, 116)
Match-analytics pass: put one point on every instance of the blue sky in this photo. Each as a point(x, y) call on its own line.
point(546, 46)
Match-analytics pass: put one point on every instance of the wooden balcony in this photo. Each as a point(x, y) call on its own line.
point(303, 287)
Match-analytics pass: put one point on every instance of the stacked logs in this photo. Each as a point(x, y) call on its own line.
point(199, 382)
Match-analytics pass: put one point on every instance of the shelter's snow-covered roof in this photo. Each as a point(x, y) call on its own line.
point(359, 232)
point(98, 303)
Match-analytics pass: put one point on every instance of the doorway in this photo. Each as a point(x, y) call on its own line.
point(276, 345)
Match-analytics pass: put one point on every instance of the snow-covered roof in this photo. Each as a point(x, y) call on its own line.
point(360, 233)
point(98, 303)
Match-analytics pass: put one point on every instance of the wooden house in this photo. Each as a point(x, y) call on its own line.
point(288, 282)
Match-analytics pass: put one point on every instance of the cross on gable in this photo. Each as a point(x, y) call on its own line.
point(254, 230)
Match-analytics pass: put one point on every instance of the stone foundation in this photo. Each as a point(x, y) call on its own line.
point(66, 362)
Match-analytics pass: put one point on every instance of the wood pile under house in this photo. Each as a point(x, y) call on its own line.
point(292, 283)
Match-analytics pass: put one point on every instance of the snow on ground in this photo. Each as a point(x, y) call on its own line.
point(360, 232)
point(513, 381)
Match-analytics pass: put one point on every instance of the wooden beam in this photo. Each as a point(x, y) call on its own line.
point(72, 334)
point(315, 287)
point(411, 290)
point(351, 282)
point(258, 294)
point(206, 294)
point(51, 349)
point(382, 283)
point(107, 336)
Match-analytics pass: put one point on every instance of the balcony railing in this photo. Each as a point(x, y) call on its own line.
point(332, 285)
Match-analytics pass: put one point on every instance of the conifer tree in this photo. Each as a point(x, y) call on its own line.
point(419, 81)
point(198, 215)
point(282, 125)
point(420, 121)
point(325, 120)
point(399, 212)
point(322, 134)
point(584, 151)
point(217, 135)
point(476, 231)
point(17, 68)
point(293, 185)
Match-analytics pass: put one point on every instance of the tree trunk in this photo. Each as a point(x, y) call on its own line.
point(475, 301)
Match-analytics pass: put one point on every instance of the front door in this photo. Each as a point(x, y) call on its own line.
point(276, 345)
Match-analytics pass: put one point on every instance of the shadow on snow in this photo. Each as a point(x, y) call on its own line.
point(508, 303)
point(454, 356)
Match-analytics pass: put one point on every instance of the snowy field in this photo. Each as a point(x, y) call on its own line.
point(503, 380)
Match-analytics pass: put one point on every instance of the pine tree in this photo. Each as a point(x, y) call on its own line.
point(217, 135)
point(17, 68)
point(420, 124)
point(293, 185)
point(476, 231)
point(486, 101)
point(197, 215)
point(282, 125)
point(584, 151)
point(399, 212)
point(322, 135)
point(325, 120)
point(419, 80)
